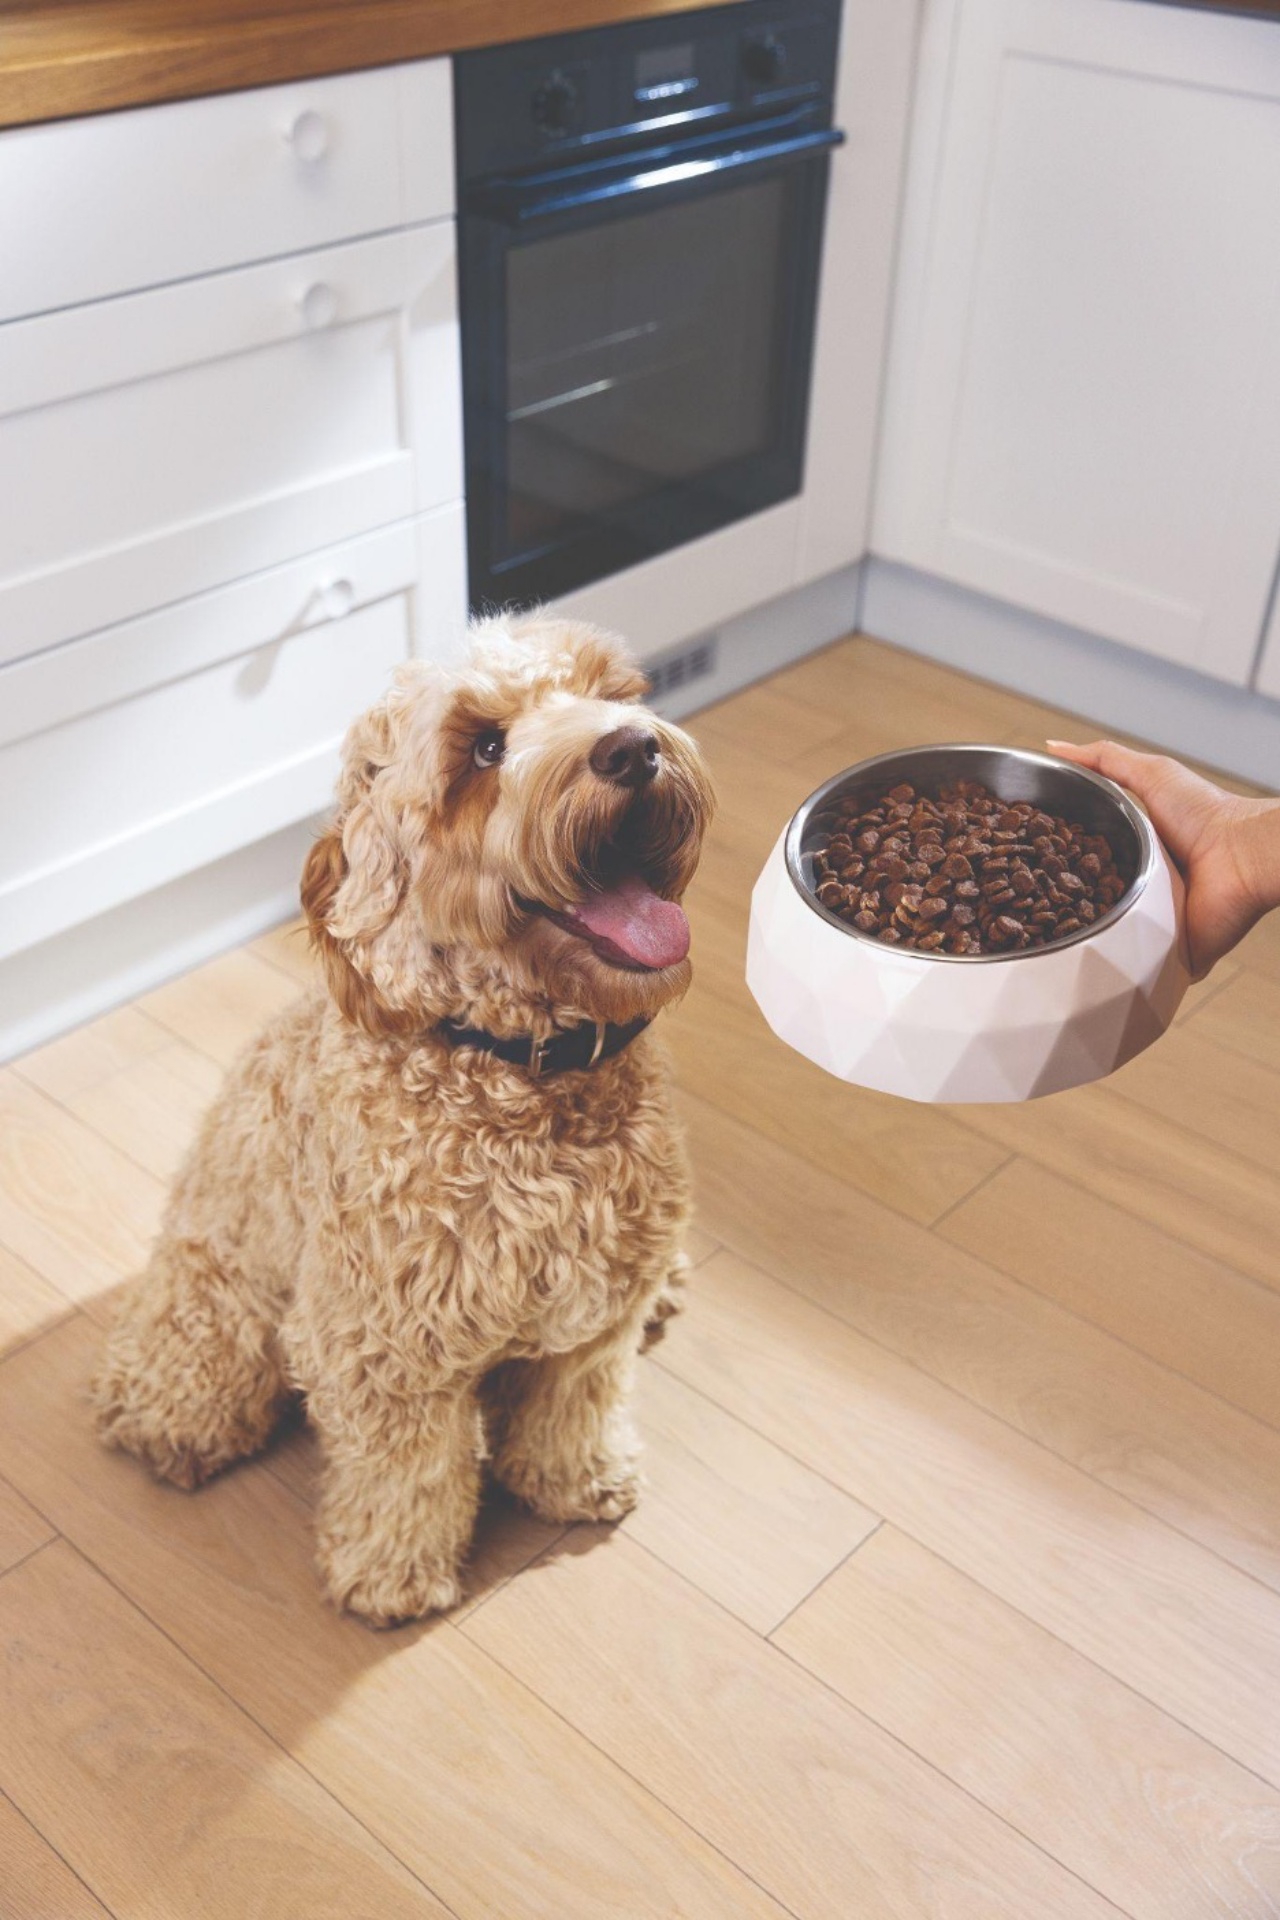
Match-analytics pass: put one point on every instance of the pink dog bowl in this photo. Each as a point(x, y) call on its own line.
point(981, 1027)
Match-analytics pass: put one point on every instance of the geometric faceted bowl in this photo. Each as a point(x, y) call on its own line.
point(971, 1027)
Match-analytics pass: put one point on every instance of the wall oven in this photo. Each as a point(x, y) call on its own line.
point(640, 233)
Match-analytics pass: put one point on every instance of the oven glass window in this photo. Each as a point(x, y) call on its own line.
point(642, 356)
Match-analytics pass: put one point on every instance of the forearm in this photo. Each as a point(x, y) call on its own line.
point(1259, 853)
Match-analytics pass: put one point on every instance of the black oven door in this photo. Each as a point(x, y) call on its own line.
point(637, 338)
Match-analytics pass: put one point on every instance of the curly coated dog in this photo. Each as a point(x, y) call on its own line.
point(442, 1197)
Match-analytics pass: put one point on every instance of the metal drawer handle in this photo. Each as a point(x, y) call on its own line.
point(308, 135)
point(318, 305)
point(337, 597)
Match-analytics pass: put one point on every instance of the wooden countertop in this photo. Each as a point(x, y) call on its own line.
point(64, 57)
point(59, 58)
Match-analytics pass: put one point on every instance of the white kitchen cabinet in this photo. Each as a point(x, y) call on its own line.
point(161, 443)
point(125, 200)
point(1083, 405)
point(135, 755)
point(231, 468)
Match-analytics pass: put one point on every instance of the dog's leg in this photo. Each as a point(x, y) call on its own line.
point(666, 1303)
point(192, 1378)
point(561, 1430)
point(399, 1496)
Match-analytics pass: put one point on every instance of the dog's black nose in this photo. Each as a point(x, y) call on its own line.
point(628, 756)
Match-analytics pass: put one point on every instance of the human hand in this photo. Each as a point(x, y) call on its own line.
point(1226, 848)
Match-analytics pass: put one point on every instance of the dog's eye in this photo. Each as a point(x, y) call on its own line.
point(489, 748)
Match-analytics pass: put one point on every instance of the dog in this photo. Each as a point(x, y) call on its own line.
point(442, 1196)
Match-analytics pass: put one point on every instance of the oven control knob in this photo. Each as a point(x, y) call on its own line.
point(764, 59)
point(555, 104)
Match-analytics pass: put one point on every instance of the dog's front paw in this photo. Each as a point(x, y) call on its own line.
point(391, 1596)
point(607, 1493)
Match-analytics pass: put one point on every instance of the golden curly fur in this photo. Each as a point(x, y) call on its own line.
point(451, 1259)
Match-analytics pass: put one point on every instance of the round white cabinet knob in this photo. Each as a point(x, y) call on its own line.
point(318, 305)
point(308, 135)
point(337, 597)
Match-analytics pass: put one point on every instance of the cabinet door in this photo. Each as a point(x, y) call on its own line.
point(1083, 413)
point(163, 443)
point(135, 755)
point(118, 201)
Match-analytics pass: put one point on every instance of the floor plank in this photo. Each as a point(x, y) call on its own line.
point(824, 1809)
point(458, 1768)
point(37, 1884)
point(1178, 1452)
point(75, 1209)
point(1259, 951)
point(1196, 1636)
point(1244, 1018)
point(92, 1053)
point(1222, 1097)
point(1155, 1818)
point(22, 1529)
point(1192, 1313)
point(915, 1159)
point(160, 1794)
point(152, 1110)
point(221, 1006)
point(28, 1303)
point(733, 1513)
point(288, 948)
point(1164, 1173)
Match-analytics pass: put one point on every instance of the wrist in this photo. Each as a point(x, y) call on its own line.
point(1258, 853)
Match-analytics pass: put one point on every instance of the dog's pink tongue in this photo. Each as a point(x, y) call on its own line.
point(632, 917)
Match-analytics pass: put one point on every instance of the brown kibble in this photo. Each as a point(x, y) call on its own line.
point(903, 871)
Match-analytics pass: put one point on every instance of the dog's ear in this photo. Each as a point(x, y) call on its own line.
point(354, 879)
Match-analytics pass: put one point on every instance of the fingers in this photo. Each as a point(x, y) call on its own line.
point(1108, 758)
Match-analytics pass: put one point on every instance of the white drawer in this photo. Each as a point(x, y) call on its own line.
point(128, 200)
point(133, 756)
point(160, 444)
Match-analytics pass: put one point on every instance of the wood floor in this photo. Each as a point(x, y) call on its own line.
point(956, 1589)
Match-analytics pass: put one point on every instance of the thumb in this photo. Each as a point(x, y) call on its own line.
point(1107, 757)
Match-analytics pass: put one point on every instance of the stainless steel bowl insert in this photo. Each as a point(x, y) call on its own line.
point(1011, 773)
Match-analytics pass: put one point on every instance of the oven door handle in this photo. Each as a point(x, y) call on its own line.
point(516, 203)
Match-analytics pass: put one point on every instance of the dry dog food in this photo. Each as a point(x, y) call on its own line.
point(965, 873)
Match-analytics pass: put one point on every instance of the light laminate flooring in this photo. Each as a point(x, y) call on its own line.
point(956, 1588)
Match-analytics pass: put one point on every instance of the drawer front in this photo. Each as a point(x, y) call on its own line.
point(220, 725)
point(127, 200)
point(161, 444)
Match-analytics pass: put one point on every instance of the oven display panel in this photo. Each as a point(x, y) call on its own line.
point(665, 73)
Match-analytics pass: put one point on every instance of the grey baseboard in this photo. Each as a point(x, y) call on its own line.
point(753, 645)
point(47, 989)
point(1184, 713)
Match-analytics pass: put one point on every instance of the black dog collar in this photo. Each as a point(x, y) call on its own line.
point(569, 1051)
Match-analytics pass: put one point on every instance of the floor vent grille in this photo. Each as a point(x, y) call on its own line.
point(671, 672)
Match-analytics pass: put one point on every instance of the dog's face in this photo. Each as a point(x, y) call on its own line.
point(525, 823)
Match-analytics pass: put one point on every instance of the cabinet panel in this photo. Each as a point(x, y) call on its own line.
point(163, 443)
point(1084, 403)
point(132, 756)
point(121, 201)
